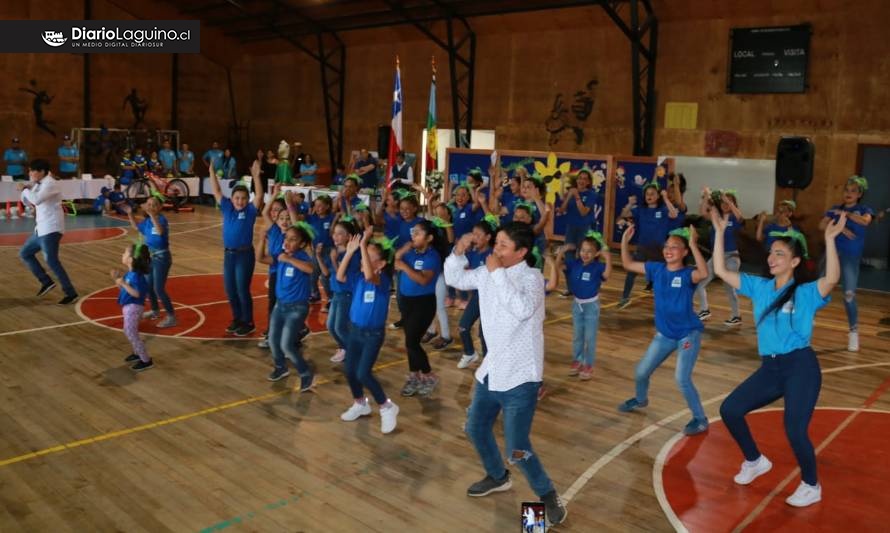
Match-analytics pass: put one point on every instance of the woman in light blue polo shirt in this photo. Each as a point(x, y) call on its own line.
point(785, 307)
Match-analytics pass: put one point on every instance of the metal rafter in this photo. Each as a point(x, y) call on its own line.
point(643, 36)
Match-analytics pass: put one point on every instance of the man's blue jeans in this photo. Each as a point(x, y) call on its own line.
point(518, 405)
point(49, 244)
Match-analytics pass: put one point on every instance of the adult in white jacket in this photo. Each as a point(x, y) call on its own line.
point(44, 193)
point(511, 304)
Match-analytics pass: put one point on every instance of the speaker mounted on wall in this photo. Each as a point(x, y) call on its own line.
point(795, 157)
point(383, 134)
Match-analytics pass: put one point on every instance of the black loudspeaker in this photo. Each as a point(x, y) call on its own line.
point(383, 133)
point(795, 158)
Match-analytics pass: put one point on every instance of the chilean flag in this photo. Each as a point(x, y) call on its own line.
point(395, 135)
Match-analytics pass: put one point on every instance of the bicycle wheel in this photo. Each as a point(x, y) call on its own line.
point(177, 192)
point(138, 190)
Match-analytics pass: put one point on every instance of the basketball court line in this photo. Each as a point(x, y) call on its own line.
point(122, 230)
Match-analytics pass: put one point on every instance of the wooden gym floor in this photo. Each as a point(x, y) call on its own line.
point(203, 442)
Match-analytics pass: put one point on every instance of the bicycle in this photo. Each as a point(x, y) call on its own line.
point(175, 189)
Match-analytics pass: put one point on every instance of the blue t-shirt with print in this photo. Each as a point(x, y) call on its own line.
point(274, 246)
point(675, 317)
point(405, 227)
point(845, 245)
point(153, 236)
point(353, 271)
point(322, 226)
point(138, 282)
point(427, 260)
point(476, 258)
point(733, 225)
point(292, 284)
point(391, 225)
point(652, 225)
point(370, 303)
point(584, 281)
point(789, 328)
point(464, 218)
point(237, 225)
point(574, 218)
point(186, 159)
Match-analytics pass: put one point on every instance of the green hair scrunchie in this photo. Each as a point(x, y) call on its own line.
point(598, 237)
point(860, 182)
point(440, 223)
point(388, 246)
point(354, 178)
point(537, 178)
point(795, 236)
point(305, 227)
point(532, 208)
point(492, 221)
point(539, 260)
point(652, 184)
point(681, 232)
point(361, 206)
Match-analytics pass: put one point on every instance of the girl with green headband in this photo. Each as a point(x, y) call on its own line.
point(292, 291)
point(578, 207)
point(440, 216)
point(322, 221)
point(850, 245)
point(584, 276)
point(155, 231)
point(478, 245)
point(341, 291)
point(348, 198)
point(677, 328)
point(725, 204)
point(467, 209)
point(781, 222)
point(133, 289)
point(653, 221)
point(367, 330)
point(785, 306)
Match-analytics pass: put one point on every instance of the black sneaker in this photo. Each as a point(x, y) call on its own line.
point(130, 358)
point(489, 485)
point(441, 343)
point(396, 325)
point(704, 314)
point(68, 299)
point(143, 365)
point(554, 509)
point(233, 326)
point(278, 373)
point(46, 288)
point(245, 330)
point(307, 383)
point(304, 333)
point(427, 337)
point(733, 321)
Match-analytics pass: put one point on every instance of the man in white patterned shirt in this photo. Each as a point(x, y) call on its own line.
point(511, 304)
point(44, 193)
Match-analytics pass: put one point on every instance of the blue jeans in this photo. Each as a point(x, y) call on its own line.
point(285, 325)
point(637, 255)
point(797, 378)
point(465, 327)
point(338, 318)
point(49, 244)
point(161, 261)
point(518, 405)
point(362, 349)
point(585, 325)
point(687, 352)
point(316, 275)
point(237, 274)
point(849, 281)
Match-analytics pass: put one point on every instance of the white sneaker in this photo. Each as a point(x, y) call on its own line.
point(14, 213)
point(168, 322)
point(388, 416)
point(338, 357)
point(2, 214)
point(805, 495)
point(751, 470)
point(151, 315)
point(263, 343)
point(853, 341)
point(356, 411)
point(467, 360)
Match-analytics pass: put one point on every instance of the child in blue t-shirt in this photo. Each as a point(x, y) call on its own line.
point(728, 208)
point(408, 218)
point(578, 208)
point(466, 210)
point(506, 196)
point(367, 329)
point(850, 245)
point(785, 305)
point(239, 217)
point(295, 265)
point(131, 298)
point(653, 222)
point(321, 218)
point(781, 223)
point(419, 263)
point(278, 216)
point(341, 291)
point(440, 216)
point(677, 327)
point(155, 231)
point(482, 241)
point(127, 169)
point(584, 276)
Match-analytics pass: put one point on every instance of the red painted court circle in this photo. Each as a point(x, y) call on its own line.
point(854, 471)
point(202, 310)
point(71, 236)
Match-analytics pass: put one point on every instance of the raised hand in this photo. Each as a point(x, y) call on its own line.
point(836, 227)
point(493, 263)
point(463, 244)
point(693, 235)
point(354, 243)
point(628, 233)
point(115, 274)
point(719, 222)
